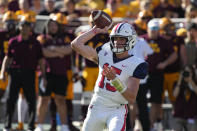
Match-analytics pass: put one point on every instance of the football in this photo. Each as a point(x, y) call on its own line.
point(101, 19)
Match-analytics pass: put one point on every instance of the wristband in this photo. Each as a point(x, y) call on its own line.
point(118, 85)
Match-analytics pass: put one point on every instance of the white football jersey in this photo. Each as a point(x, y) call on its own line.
point(141, 50)
point(104, 93)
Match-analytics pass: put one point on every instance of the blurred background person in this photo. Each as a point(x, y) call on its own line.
point(115, 8)
point(164, 9)
point(49, 7)
point(157, 63)
point(55, 51)
point(37, 6)
point(24, 6)
point(24, 54)
point(3, 6)
point(185, 109)
point(22, 104)
point(172, 71)
point(190, 44)
point(168, 31)
point(10, 22)
point(70, 10)
point(146, 5)
point(86, 6)
point(68, 37)
point(134, 8)
point(72, 15)
point(185, 3)
point(140, 24)
point(190, 13)
point(178, 11)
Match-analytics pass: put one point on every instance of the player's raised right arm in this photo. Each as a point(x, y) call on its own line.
point(78, 44)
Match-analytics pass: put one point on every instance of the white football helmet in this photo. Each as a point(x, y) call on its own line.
point(125, 30)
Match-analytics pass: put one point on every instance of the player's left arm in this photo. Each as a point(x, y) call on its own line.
point(128, 90)
point(133, 83)
point(132, 88)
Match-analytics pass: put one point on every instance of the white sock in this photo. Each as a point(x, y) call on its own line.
point(39, 125)
point(64, 128)
point(22, 109)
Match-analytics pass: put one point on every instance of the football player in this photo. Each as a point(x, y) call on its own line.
point(68, 37)
point(172, 71)
point(24, 55)
point(118, 79)
point(9, 30)
point(10, 21)
point(90, 69)
point(55, 51)
point(22, 104)
point(142, 49)
point(158, 61)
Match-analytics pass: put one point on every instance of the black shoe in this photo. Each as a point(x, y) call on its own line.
point(53, 128)
point(73, 128)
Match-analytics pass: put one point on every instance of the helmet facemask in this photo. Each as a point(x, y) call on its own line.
point(123, 30)
point(129, 44)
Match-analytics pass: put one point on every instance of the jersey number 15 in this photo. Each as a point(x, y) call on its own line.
point(108, 86)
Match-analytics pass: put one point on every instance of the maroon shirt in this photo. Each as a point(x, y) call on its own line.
point(56, 65)
point(25, 53)
point(176, 66)
point(161, 48)
point(185, 108)
point(95, 42)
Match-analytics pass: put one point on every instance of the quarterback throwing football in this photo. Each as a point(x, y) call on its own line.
point(118, 79)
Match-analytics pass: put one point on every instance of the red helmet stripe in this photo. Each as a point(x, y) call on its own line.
point(117, 27)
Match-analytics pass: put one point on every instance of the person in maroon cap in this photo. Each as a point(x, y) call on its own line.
point(24, 54)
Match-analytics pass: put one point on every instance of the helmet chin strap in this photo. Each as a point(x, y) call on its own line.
point(120, 50)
